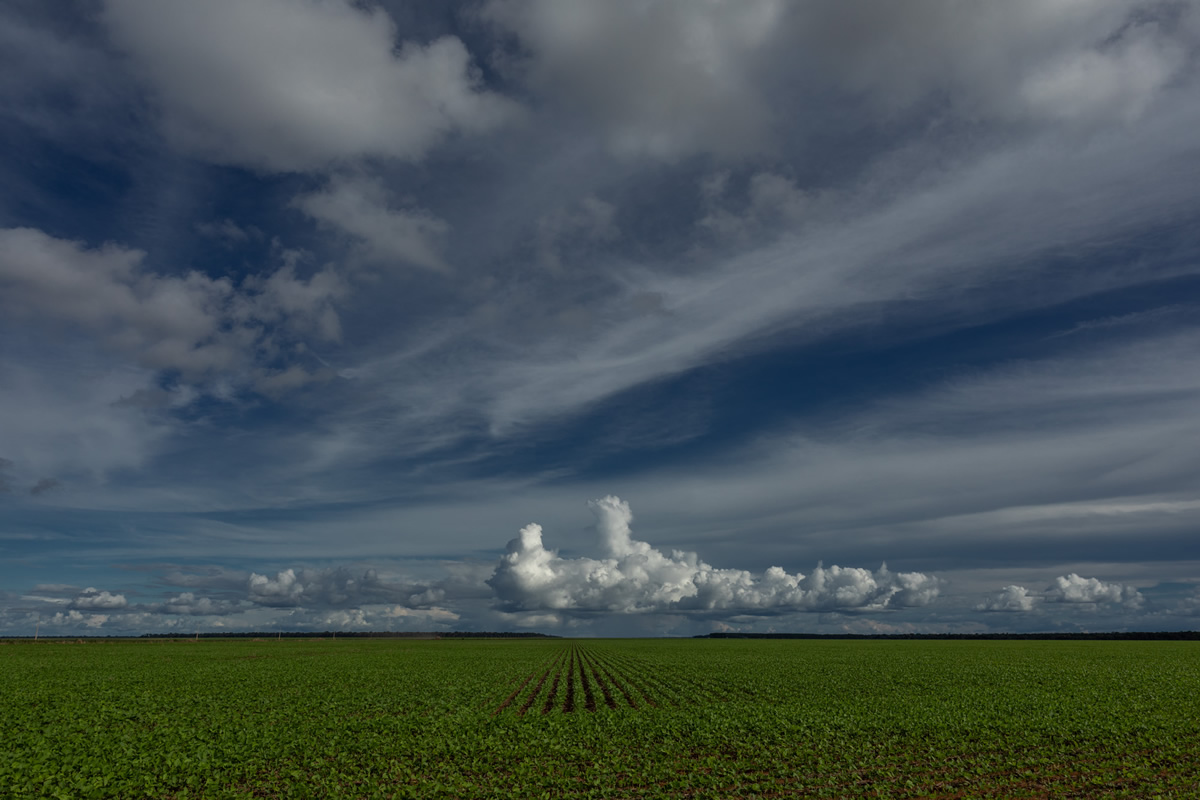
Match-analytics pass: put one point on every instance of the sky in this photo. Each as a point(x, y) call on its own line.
point(614, 318)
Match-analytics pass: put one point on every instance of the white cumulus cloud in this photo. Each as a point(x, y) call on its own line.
point(634, 577)
point(1010, 598)
point(1065, 589)
point(92, 598)
point(1074, 589)
point(75, 619)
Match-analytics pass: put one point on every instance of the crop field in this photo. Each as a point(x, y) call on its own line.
point(599, 718)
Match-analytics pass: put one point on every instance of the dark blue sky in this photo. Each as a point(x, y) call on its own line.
point(308, 309)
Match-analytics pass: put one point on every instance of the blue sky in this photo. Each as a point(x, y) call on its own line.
point(599, 318)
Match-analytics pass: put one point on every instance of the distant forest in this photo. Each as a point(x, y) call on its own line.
point(1141, 636)
point(354, 635)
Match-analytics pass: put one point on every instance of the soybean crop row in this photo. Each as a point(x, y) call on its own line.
point(581, 678)
point(599, 718)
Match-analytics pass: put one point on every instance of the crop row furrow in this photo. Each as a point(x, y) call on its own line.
point(610, 681)
point(623, 685)
point(649, 682)
point(627, 682)
point(690, 686)
point(589, 696)
point(604, 690)
point(515, 692)
point(537, 689)
point(553, 693)
point(569, 699)
point(579, 678)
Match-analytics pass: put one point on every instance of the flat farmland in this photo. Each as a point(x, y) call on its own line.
point(599, 718)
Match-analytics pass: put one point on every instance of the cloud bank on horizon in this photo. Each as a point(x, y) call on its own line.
point(303, 305)
point(532, 586)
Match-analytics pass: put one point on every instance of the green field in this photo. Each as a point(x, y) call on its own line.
point(599, 718)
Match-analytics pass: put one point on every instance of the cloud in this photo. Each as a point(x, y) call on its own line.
point(573, 231)
point(283, 86)
point(44, 485)
point(66, 416)
point(442, 616)
point(228, 232)
point(76, 618)
point(1031, 60)
point(282, 590)
point(349, 618)
point(770, 200)
point(676, 78)
point(92, 598)
point(194, 324)
point(335, 597)
point(636, 578)
point(360, 208)
point(370, 618)
point(526, 355)
point(336, 587)
point(897, 207)
point(1070, 589)
point(661, 79)
point(1074, 589)
point(1188, 606)
point(105, 288)
point(1010, 598)
point(284, 300)
point(852, 264)
point(189, 604)
point(1117, 81)
point(57, 81)
point(55, 588)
